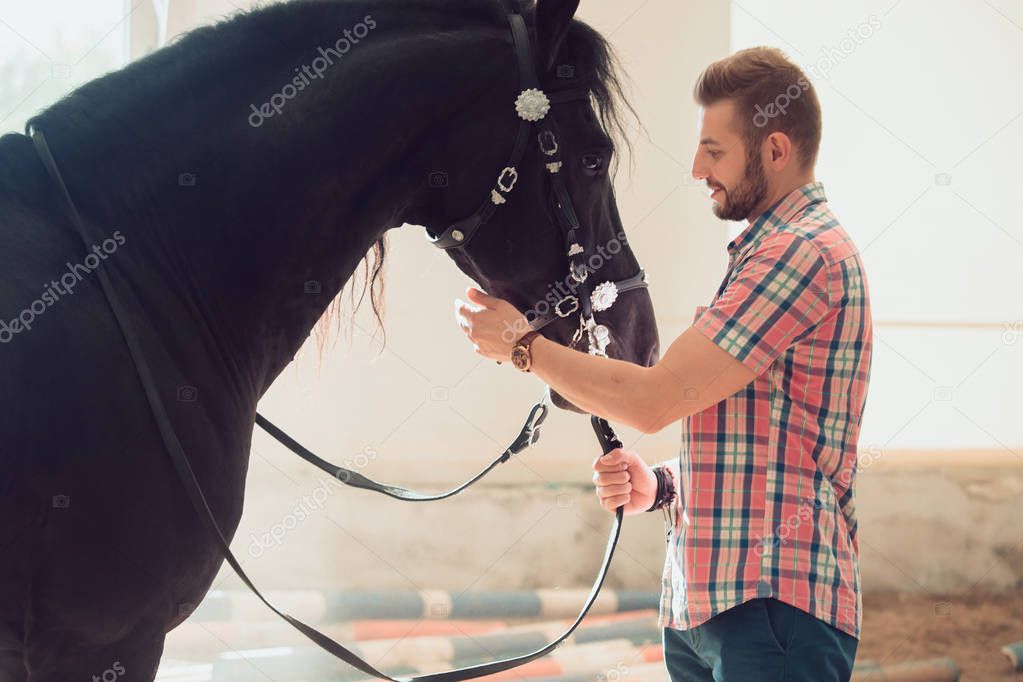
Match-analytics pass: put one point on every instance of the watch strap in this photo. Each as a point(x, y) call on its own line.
point(523, 347)
point(527, 339)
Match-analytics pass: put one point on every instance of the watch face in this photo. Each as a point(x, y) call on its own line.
point(519, 357)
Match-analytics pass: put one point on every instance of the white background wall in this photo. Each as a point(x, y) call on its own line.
point(923, 131)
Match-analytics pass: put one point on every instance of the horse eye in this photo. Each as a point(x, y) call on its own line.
point(592, 162)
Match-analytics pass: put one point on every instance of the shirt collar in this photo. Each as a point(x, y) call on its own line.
point(783, 211)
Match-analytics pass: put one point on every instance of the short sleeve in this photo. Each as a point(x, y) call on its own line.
point(779, 294)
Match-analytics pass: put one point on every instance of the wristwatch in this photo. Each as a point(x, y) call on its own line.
point(521, 355)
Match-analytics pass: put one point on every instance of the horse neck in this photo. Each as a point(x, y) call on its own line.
point(259, 227)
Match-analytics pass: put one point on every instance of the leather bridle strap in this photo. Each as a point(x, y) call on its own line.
point(529, 434)
point(637, 281)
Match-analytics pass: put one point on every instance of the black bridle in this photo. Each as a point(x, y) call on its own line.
point(455, 236)
point(533, 106)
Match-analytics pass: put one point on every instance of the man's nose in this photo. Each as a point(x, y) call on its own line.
point(699, 173)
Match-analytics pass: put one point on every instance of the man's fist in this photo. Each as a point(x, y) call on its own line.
point(623, 478)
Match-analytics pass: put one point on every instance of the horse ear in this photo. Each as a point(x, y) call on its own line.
point(553, 18)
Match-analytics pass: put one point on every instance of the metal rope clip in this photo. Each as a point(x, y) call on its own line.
point(530, 432)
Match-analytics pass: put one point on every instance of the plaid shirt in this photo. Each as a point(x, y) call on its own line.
point(764, 478)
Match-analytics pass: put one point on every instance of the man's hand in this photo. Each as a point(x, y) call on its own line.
point(623, 478)
point(491, 324)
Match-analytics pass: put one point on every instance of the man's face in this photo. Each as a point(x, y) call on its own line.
point(734, 174)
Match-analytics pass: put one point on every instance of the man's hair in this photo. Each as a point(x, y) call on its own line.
point(771, 94)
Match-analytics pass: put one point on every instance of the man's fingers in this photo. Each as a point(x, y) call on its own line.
point(612, 503)
point(601, 467)
point(614, 490)
point(465, 311)
point(615, 457)
point(612, 478)
point(465, 317)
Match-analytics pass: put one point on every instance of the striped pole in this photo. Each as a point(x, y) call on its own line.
point(643, 672)
point(200, 640)
point(292, 664)
point(335, 607)
point(612, 661)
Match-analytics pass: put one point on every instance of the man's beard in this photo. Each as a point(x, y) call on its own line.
point(748, 193)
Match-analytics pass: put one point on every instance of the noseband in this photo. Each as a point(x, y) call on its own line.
point(532, 107)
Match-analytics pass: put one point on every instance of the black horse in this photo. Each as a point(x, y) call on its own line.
point(238, 204)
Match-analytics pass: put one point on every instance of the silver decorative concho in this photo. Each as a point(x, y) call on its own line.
point(599, 336)
point(604, 296)
point(532, 105)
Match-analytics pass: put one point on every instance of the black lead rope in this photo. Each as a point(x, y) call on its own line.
point(184, 470)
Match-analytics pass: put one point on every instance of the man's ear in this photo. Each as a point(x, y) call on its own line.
point(553, 17)
point(779, 149)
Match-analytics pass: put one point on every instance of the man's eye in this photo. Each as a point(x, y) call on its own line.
point(715, 155)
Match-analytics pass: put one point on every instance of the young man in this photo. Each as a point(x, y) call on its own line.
point(761, 578)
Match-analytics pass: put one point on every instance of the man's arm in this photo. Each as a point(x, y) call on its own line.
point(693, 374)
point(780, 294)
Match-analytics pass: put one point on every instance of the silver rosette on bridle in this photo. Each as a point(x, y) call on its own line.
point(532, 105)
point(604, 295)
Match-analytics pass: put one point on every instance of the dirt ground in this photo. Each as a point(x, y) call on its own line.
point(970, 629)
